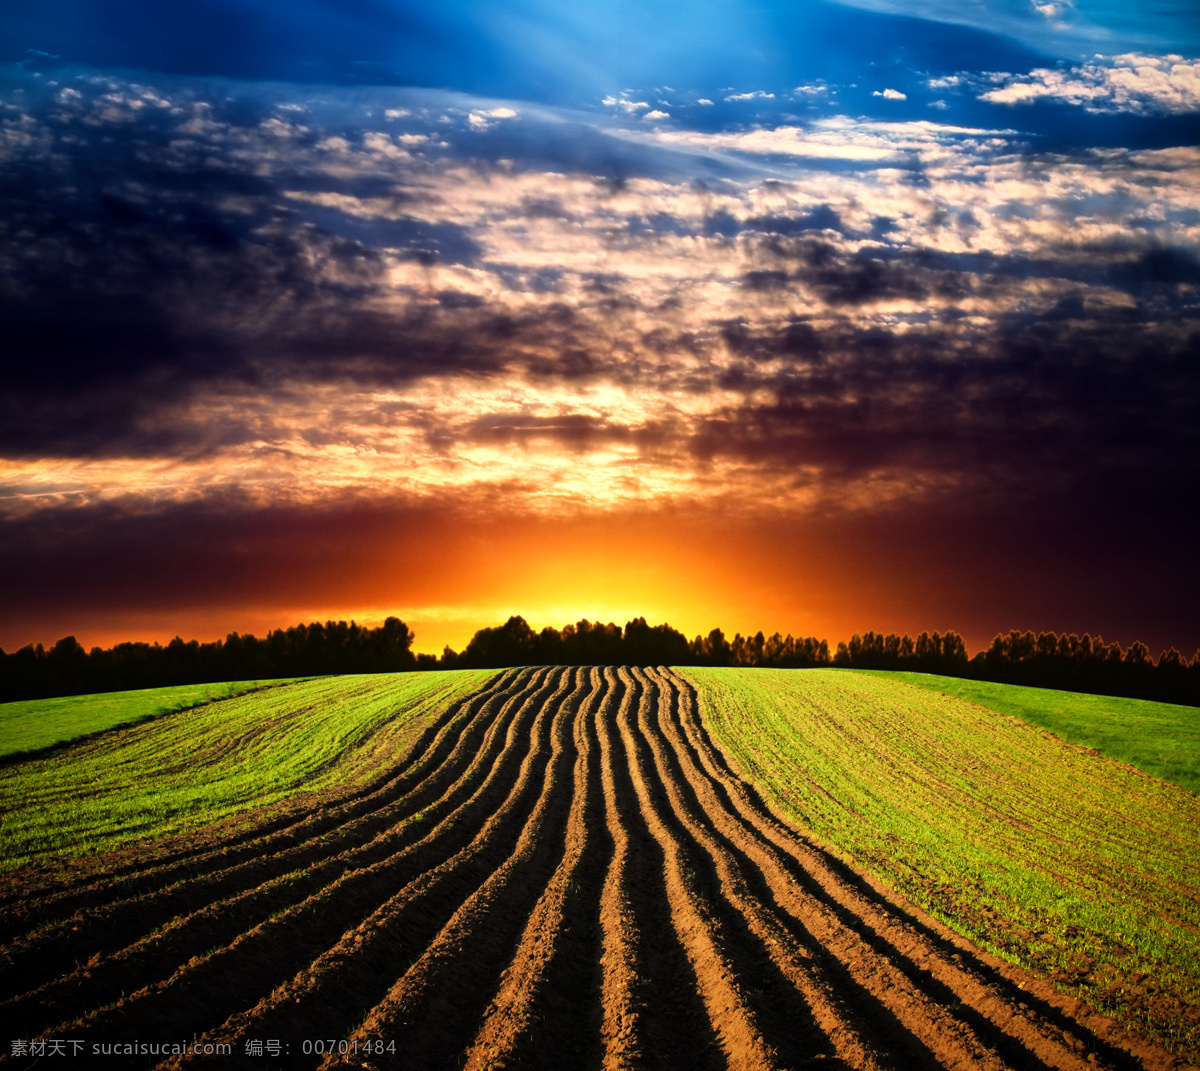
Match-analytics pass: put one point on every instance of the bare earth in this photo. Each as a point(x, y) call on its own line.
point(563, 873)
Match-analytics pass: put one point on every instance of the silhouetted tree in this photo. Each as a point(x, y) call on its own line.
point(301, 651)
point(1170, 677)
point(512, 644)
point(659, 645)
point(712, 650)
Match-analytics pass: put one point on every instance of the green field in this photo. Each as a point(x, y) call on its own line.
point(33, 724)
point(1161, 739)
point(1042, 851)
point(194, 767)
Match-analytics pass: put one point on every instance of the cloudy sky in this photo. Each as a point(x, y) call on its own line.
point(801, 316)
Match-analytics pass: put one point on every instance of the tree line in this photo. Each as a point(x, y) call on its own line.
point(301, 651)
point(1044, 660)
point(591, 643)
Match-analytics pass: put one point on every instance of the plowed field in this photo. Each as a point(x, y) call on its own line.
point(563, 873)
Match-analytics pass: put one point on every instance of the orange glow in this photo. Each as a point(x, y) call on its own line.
point(447, 576)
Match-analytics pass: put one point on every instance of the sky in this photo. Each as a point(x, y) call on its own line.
point(806, 317)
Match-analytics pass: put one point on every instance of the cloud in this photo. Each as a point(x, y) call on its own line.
point(291, 307)
point(1051, 10)
point(835, 138)
point(1135, 83)
point(629, 107)
point(478, 118)
point(757, 94)
point(890, 94)
point(656, 114)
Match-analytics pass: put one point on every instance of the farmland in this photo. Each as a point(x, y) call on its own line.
point(241, 755)
point(561, 867)
point(35, 724)
point(1039, 850)
point(1161, 739)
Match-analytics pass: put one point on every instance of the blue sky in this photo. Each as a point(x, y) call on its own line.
point(575, 56)
point(567, 54)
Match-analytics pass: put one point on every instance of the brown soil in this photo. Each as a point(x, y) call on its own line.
point(562, 872)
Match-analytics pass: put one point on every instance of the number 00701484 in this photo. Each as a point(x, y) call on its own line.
point(330, 1045)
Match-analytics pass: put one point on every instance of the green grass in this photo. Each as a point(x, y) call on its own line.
point(33, 724)
point(188, 769)
point(1080, 868)
point(1161, 739)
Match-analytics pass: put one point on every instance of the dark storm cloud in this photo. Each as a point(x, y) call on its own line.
point(574, 432)
point(821, 218)
point(1048, 401)
point(145, 246)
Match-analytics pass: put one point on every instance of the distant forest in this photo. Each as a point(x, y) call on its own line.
point(1081, 664)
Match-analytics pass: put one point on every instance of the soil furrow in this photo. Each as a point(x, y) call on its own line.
point(804, 1017)
point(37, 956)
point(654, 1014)
point(915, 960)
point(1021, 1045)
point(448, 987)
point(258, 960)
point(621, 1028)
point(339, 985)
point(546, 1013)
point(101, 979)
point(695, 924)
point(218, 851)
